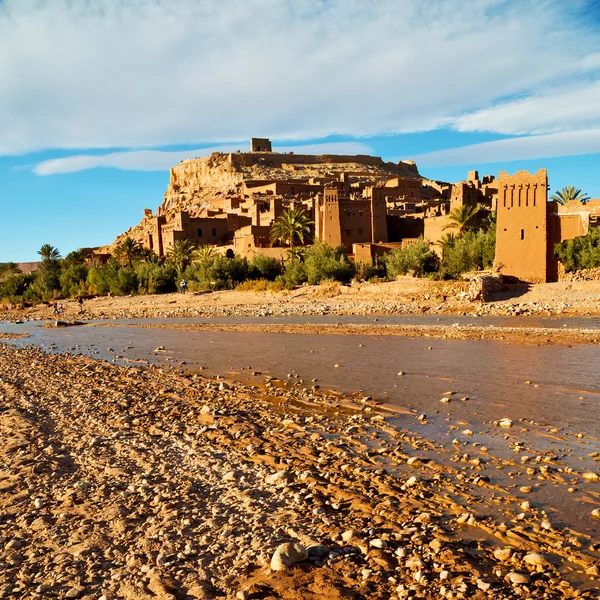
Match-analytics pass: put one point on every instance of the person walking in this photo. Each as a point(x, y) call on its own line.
point(183, 286)
point(80, 302)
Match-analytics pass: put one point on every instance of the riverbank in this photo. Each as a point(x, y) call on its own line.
point(512, 335)
point(143, 483)
point(406, 296)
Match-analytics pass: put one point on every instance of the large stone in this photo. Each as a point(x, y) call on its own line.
point(287, 554)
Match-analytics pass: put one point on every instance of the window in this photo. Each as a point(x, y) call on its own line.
point(360, 232)
point(522, 234)
point(214, 231)
point(348, 232)
point(199, 232)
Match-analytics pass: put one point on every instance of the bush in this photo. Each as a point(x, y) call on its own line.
point(265, 267)
point(16, 286)
point(218, 273)
point(73, 280)
point(293, 274)
point(322, 262)
point(417, 258)
point(472, 251)
point(253, 285)
point(581, 252)
point(97, 281)
point(156, 279)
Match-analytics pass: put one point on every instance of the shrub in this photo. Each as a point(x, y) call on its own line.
point(73, 280)
point(417, 258)
point(16, 285)
point(253, 285)
point(293, 274)
point(218, 273)
point(581, 252)
point(97, 281)
point(156, 279)
point(321, 262)
point(265, 267)
point(471, 251)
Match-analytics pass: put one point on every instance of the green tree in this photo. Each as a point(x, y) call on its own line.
point(417, 258)
point(569, 193)
point(204, 253)
point(48, 252)
point(181, 255)
point(8, 269)
point(128, 251)
point(77, 257)
point(463, 218)
point(292, 226)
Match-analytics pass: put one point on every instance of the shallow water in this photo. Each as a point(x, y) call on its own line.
point(564, 393)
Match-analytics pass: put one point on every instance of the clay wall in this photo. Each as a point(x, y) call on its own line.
point(260, 145)
point(278, 160)
point(523, 247)
point(378, 210)
point(251, 237)
point(434, 228)
point(404, 187)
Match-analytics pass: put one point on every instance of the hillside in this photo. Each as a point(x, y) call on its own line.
point(196, 182)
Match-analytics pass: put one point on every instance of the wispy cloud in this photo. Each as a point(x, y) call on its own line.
point(135, 73)
point(570, 143)
point(162, 160)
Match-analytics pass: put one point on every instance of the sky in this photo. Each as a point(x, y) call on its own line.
point(99, 98)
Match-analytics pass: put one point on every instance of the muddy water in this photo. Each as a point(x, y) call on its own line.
point(560, 408)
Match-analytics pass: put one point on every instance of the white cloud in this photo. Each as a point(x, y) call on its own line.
point(568, 108)
point(162, 160)
point(570, 143)
point(84, 74)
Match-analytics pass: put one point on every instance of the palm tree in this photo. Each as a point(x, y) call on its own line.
point(462, 218)
point(48, 252)
point(205, 253)
point(447, 241)
point(293, 225)
point(127, 251)
point(568, 194)
point(8, 269)
point(181, 254)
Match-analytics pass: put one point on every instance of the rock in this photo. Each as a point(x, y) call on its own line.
point(535, 559)
point(378, 543)
point(287, 554)
point(349, 534)
point(590, 476)
point(526, 489)
point(317, 551)
point(596, 513)
point(518, 578)
point(506, 423)
point(483, 585)
point(503, 554)
point(73, 593)
point(278, 477)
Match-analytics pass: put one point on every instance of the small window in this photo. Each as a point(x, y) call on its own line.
point(348, 232)
point(199, 232)
point(214, 232)
point(522, 234)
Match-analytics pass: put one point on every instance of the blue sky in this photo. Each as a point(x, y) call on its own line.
point(100, 97)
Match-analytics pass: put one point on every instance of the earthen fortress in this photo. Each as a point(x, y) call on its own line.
point(359, 202)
